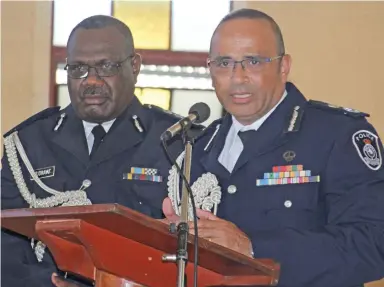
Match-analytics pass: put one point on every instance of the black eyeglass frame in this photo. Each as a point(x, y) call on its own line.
point(97, 68)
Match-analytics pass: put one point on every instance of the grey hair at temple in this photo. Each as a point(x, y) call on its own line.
point(256, 15)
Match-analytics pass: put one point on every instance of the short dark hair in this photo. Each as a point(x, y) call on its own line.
point(102, 21)
point(257, 15)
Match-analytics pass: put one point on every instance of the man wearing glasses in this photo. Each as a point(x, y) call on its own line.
point(103, 148)
point(302, 182)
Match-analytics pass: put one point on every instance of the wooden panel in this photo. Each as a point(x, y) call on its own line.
point(375, 284)
point(104, 279)
point(130, 245)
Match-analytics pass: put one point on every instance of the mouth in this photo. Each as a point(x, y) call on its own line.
point(95, 99)
point(241, 98)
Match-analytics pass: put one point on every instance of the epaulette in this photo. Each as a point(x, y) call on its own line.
point(329, 107)
point(39, 116)
point(162, 111)
point(170, 113)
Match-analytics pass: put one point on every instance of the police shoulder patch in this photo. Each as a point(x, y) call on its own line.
point(368, 148)
point(39, 116)
point(346, 111)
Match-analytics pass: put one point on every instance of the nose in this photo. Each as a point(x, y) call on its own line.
point(239, 74)
point(93, 78)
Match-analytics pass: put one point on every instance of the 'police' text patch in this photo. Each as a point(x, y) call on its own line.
point(368, 148)
point(45, 172)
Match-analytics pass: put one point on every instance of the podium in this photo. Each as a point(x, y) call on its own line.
point(115, 246)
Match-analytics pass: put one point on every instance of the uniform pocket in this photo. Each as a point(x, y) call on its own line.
point(144, 196)
point(290, 205)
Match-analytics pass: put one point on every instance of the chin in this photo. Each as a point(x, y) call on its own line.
point(246, 117)
point(96, 116)
point(242, 111)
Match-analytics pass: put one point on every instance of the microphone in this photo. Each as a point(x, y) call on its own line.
point(198, 113)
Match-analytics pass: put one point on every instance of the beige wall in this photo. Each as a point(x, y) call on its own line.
point(25, 65)
point(336, 49)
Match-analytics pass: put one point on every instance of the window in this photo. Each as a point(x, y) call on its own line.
point(193, 23)
point(157, 97)
point(148, 21)
point(183, 100)
point(63, 99)
point(65, 17)
point(186, 24)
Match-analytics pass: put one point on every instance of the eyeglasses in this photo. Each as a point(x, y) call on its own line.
point(106, 69)
point(226, 65)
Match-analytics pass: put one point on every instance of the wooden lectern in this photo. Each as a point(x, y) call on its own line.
point(116, 246)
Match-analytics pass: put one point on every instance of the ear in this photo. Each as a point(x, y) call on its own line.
point(285, 67)
point(136, 65)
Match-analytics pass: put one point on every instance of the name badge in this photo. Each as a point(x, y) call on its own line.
point(45, 172)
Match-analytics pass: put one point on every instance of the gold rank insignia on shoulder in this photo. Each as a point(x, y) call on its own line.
point(287, 174)
point(140, 173)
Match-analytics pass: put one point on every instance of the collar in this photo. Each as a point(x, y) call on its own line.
point(257, 124)
point(88, 127)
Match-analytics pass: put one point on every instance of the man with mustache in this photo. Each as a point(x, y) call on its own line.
point(302, 182)
point(103, 148)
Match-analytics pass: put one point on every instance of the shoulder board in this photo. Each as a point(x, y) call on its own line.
point(162, 111)
point(170, 113)
point(36, 117)
point(346, 111)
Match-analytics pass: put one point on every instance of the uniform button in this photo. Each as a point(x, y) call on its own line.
point(140, 202)
point(86, 183)
point(232, 189)
point(288, 203)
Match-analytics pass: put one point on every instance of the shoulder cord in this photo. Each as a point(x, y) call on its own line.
point(67, 198)
point(206, 190)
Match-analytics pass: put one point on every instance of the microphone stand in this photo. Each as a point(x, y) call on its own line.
point(182, 228)
point(181, 256)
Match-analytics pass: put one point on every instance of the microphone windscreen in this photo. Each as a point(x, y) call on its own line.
point(202, 112)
